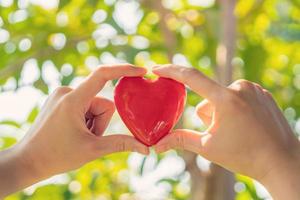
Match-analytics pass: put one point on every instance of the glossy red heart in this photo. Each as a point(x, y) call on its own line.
point(150, 109)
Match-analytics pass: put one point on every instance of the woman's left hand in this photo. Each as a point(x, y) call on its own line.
point(67, 133)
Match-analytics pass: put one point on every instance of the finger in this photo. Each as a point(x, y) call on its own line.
point(120, 143)
point(183, 139)
point(97, 79)
point(51, 101)
point(205, 111)
point(101, 110)
point(198, 82)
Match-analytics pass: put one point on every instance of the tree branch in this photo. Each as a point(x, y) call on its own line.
point(48, 52)
point(226, 48)
point(168, 35)
point(221, 182)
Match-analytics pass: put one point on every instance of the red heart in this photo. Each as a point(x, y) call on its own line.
point(150, 109)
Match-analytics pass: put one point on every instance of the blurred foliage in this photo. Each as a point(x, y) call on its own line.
point(76, 36)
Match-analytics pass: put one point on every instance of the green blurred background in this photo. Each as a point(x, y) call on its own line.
point(45, 44)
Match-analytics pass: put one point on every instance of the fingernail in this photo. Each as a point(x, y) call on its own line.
point(141, 68)
point(135, 66)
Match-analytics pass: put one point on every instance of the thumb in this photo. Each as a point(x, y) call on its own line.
point(101, 111)
point(120, 143)
point(183, 139)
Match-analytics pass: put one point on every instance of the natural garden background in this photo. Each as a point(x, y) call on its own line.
point(45, 44)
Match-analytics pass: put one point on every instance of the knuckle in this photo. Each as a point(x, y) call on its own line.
point(67, 101)
point(234, 100)
point(243, 85)
point(240, 81)
point(62, 90)
point(268, 93)
point(102, 71)
point(62, 97)
point(188, 73)
point(258, 86)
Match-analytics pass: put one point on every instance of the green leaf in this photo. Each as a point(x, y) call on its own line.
point(143, 166)
point(169, 180)
point(92, 2)
point(250, 189)
point(41, 85)
point(7, 142)
point(93, 183)
point(62, 3)
point(11, 123)
point(66, 80)
point(33, 114)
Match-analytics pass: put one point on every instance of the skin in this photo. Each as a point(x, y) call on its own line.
point(67, 133)
point(247, 132)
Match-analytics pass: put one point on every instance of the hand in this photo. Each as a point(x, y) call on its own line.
point(247, 132)
point(67, 133)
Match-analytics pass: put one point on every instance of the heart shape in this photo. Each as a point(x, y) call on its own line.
point(149, 109)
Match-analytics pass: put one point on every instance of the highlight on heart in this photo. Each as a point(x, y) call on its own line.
point(149, 100)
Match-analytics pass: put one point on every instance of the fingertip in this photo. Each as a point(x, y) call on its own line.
point(166, 71)
point(157, 69)
point(141, 71)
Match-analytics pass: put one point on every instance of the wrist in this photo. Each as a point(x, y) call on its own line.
point(17, 170)
point(14, 173)
point(283, 177)
point(29, 163)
